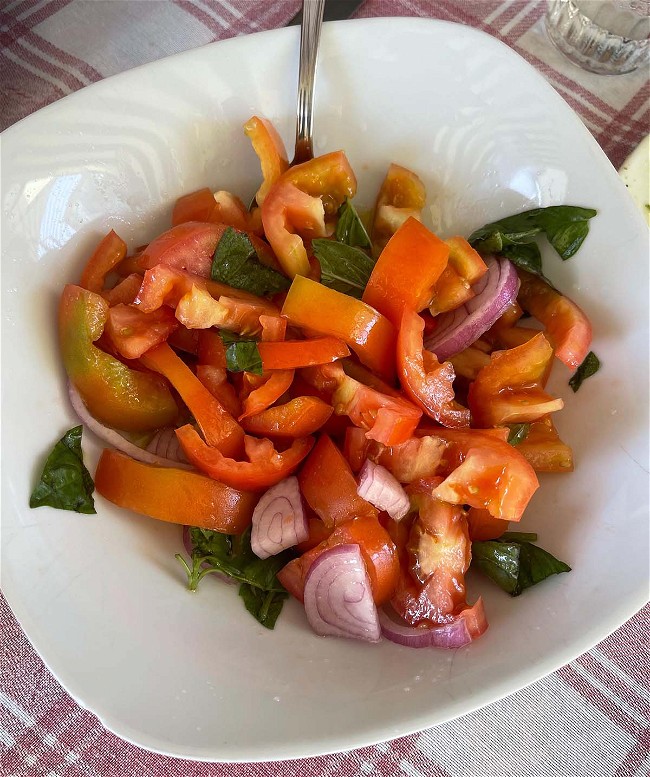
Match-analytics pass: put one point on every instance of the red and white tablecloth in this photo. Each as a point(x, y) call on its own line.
point(589, 719)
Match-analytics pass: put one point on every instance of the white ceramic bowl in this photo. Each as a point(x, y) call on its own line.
point(101, 597)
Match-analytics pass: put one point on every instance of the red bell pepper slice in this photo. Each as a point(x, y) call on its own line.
point(270, 150)
point(508, 389)
point(427, 382)
point(110, 252)
point(326, 311)
point(568, 328)
point(173, 495)
point(116, 395)
point(265, 467)
point(406, 271)
point(217, 425)
point(291, 354)
point(329, 487)
point(266, 394)
point(299, 417)
point(132, 332)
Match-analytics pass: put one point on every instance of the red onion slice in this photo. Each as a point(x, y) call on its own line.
point(465, 627)
point(338, 598)
point(383, 490)
point(114, 438)
point(458, 329)
point(279, 519)
point(165, 444)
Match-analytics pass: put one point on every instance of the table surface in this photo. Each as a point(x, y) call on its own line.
point(589, 719)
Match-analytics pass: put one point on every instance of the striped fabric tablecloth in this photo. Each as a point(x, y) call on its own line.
point(589, 719)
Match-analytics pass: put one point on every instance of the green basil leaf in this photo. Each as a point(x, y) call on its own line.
point(589, 367)
point(235, 263)
point(349, 227)
point(65, 483)
point(518, 433)
point(515, 564)
point(241, 354)
point(343, 268)
point(232, 555)
point(518, 536)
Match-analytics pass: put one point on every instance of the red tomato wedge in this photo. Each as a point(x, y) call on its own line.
point(132, 332)
point(110, 252)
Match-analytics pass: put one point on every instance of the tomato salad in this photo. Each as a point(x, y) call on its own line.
point(347, 414)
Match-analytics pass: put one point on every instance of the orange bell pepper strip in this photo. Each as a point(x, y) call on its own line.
point(125, 291)
point(173, 495)
point(116, 395)
point(370, 335)
point(406, 271)
point(291, 354)
point(110, 252)
point(217, 425)
point(508, 389)
point(544, 450)
point(328, 485)
point(402, 195)
point(426, 382)
point(299, 417)
point(265, 466)
point(270, 150)
point(196, 206)
point(132, 332)
point(377, 550)
point(288, 215)
point(568, 328)
point(269, 392)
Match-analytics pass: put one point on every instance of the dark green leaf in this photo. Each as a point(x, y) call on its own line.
point(589, 367)
point(232, 555)
point(265, 606)
point(65, 482)
point(518, 433)
point(235, 262)
point(241, 354)
point(514, 563)
point(343, 267)
point(349, 227)
point(518, 536)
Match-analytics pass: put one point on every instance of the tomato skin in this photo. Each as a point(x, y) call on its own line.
point(482, 526)
point(329, 177)
point(270, 150)
point(265, 468)
point(377, 549)
point(401, 196)
point(218, 426)
point(415, 459)
point(133, 332)
point(508, 389)
point(173, 495)
point(196, 206)
point(110, 252)
point(328, 486)
point(215, 379)
point(369, 334)
point(567, 327)
point(125, 291)
point(299, 417)
point(406, 271)
point(115, 394)
point(428, 383)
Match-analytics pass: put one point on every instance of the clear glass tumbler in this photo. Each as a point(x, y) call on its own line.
point(604, 36)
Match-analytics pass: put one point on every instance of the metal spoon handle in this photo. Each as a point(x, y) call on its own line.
point(310, 27)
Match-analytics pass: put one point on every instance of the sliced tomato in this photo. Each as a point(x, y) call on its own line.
point(299, 417)
point(329, 177)
point(217, 425)
point(173, 495)
point(274, 328)
point(230, 210)
point(290, 354)
point(377, 550)
point(568, 328)
point(211, 349)
point(450, 292)
point(110, 252)
point(468, 363)
point(465, 260)
point(483, 526)
point(355, 447)
point(402, 196)
point(186, 340)
point(195, 206)
point(508, 389)
point(415, 459)
point(326, 311)
point(329, 487)
point(125, 291)
point(265, 466)
point(428, 383)
point(288, 215)
point(270, 150)
point(215, 379)
point(197, 309)
point(132, 332)
point(406, 271)
point(544, 450)
point(269, 391)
